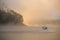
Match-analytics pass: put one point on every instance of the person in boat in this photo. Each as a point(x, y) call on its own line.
point(44, 28)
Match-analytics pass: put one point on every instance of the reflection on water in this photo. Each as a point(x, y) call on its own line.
point(29, 36)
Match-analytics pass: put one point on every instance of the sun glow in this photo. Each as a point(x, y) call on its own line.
point(34, 11)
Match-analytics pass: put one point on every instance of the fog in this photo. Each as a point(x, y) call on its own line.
point(35, 12)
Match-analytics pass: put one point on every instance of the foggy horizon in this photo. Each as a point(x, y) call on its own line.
point(34, 11)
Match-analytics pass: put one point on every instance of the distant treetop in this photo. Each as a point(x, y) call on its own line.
point(10, 16)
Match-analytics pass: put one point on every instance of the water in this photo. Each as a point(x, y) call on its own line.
point(29, 36)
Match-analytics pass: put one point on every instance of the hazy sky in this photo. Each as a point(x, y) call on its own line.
point(35, 11)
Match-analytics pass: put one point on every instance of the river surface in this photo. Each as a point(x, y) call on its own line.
point(15, 34)
point(29, 36)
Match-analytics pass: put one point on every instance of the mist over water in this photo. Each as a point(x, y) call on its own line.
point(36, 13)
